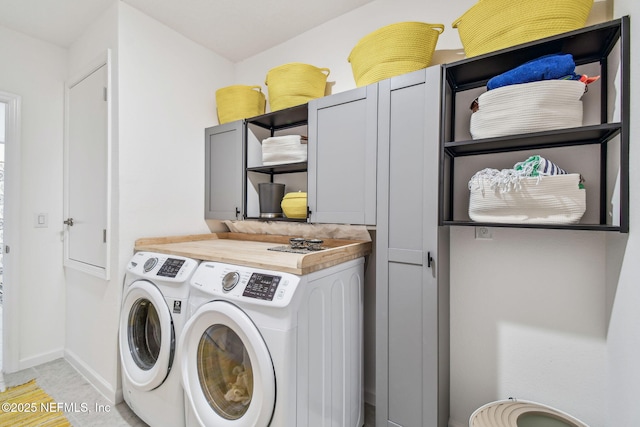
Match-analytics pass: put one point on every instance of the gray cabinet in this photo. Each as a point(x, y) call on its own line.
point(412, 296)
point(342, 157)
point(341, 168)
point(224, 171)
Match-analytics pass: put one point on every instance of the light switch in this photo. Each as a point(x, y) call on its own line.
point(41, 220)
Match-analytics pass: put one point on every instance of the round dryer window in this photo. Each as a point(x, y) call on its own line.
point(224, 359)
point(225, 372)
point(144, 334)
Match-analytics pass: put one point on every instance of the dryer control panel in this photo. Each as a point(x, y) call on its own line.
point(262, 286)
point(233, 282)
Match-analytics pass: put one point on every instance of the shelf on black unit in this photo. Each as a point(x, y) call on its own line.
point(587, 45)
point(277, 169)
point(596, 134)
point(282, 119)
point(595, 227)
point(284, 218)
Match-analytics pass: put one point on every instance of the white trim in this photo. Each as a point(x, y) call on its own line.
point(11, 304)
point(103, 273)
point(370, 396)
point(39, 359)
point(96, 380)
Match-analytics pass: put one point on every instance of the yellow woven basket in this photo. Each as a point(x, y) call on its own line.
point(239, 102)
point(491, 25)
point(295, 84)
point(393, 50)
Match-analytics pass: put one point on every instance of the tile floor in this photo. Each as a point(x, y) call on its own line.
point(65, 384)
point(62, 382)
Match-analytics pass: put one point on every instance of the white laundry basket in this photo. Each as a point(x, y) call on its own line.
point(521, 413)
point(528, 107)
point(556, 199)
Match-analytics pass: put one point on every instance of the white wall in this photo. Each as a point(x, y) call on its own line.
point(164, 98)
point(329, 45)
point(93, 304)
point(623, 339)
point(167, 99)
point(528, 320)
point(514, 333)
point(36, 71)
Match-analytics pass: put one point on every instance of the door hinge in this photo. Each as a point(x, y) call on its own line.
point(104, 235)
point(7, 249)
point(105, 93)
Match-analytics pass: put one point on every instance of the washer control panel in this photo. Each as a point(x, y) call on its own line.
point(160, 266)
point(233, 282)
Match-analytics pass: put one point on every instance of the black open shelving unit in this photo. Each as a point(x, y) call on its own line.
point(275, 121)
point(588, 45)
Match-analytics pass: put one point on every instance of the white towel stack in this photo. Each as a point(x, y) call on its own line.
point(283, 149)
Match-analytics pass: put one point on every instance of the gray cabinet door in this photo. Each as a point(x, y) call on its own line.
point(412, 308)
point(224, 171)
point(342, 157)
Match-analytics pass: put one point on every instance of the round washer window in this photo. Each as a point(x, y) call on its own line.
point(144, 334)
point(225, 372)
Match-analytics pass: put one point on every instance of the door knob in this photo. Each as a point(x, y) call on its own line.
point(68, 221)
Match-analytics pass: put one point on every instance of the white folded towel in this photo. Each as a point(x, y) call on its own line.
point(283, 149)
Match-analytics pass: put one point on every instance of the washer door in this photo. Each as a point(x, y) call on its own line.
point(227, 372)
point(147, 337)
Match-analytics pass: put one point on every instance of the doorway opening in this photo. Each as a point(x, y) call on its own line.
point(2, 141)
point(10, 106)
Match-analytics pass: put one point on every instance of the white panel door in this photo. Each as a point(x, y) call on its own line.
point(87, 178)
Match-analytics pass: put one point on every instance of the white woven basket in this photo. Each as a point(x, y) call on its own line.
point(528, 107)
point(555, 199)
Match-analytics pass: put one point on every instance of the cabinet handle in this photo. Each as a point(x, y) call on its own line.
point(429, 259)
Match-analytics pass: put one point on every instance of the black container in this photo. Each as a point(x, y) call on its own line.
point(271, 195)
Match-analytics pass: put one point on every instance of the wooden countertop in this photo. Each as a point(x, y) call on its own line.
point(252, 250)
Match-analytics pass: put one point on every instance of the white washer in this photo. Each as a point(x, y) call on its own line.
point(267, 348)
point(155, 295)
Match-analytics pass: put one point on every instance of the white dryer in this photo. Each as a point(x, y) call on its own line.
point(155, 295)
point(266, 348)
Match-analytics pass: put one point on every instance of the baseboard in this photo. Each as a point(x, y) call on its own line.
point(370, 397)
point(30, 362)
point(453, 423)
point(96, 380)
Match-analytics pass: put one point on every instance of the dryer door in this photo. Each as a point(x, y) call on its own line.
point(147, 337)
point(227, 372)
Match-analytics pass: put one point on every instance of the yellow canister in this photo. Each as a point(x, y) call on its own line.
point(294, 205)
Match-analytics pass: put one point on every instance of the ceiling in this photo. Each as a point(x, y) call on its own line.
point(235, 29)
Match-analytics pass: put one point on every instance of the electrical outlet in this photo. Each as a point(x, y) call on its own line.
point(483, 233)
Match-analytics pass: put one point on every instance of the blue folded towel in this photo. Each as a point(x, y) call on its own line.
point(548, 67)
